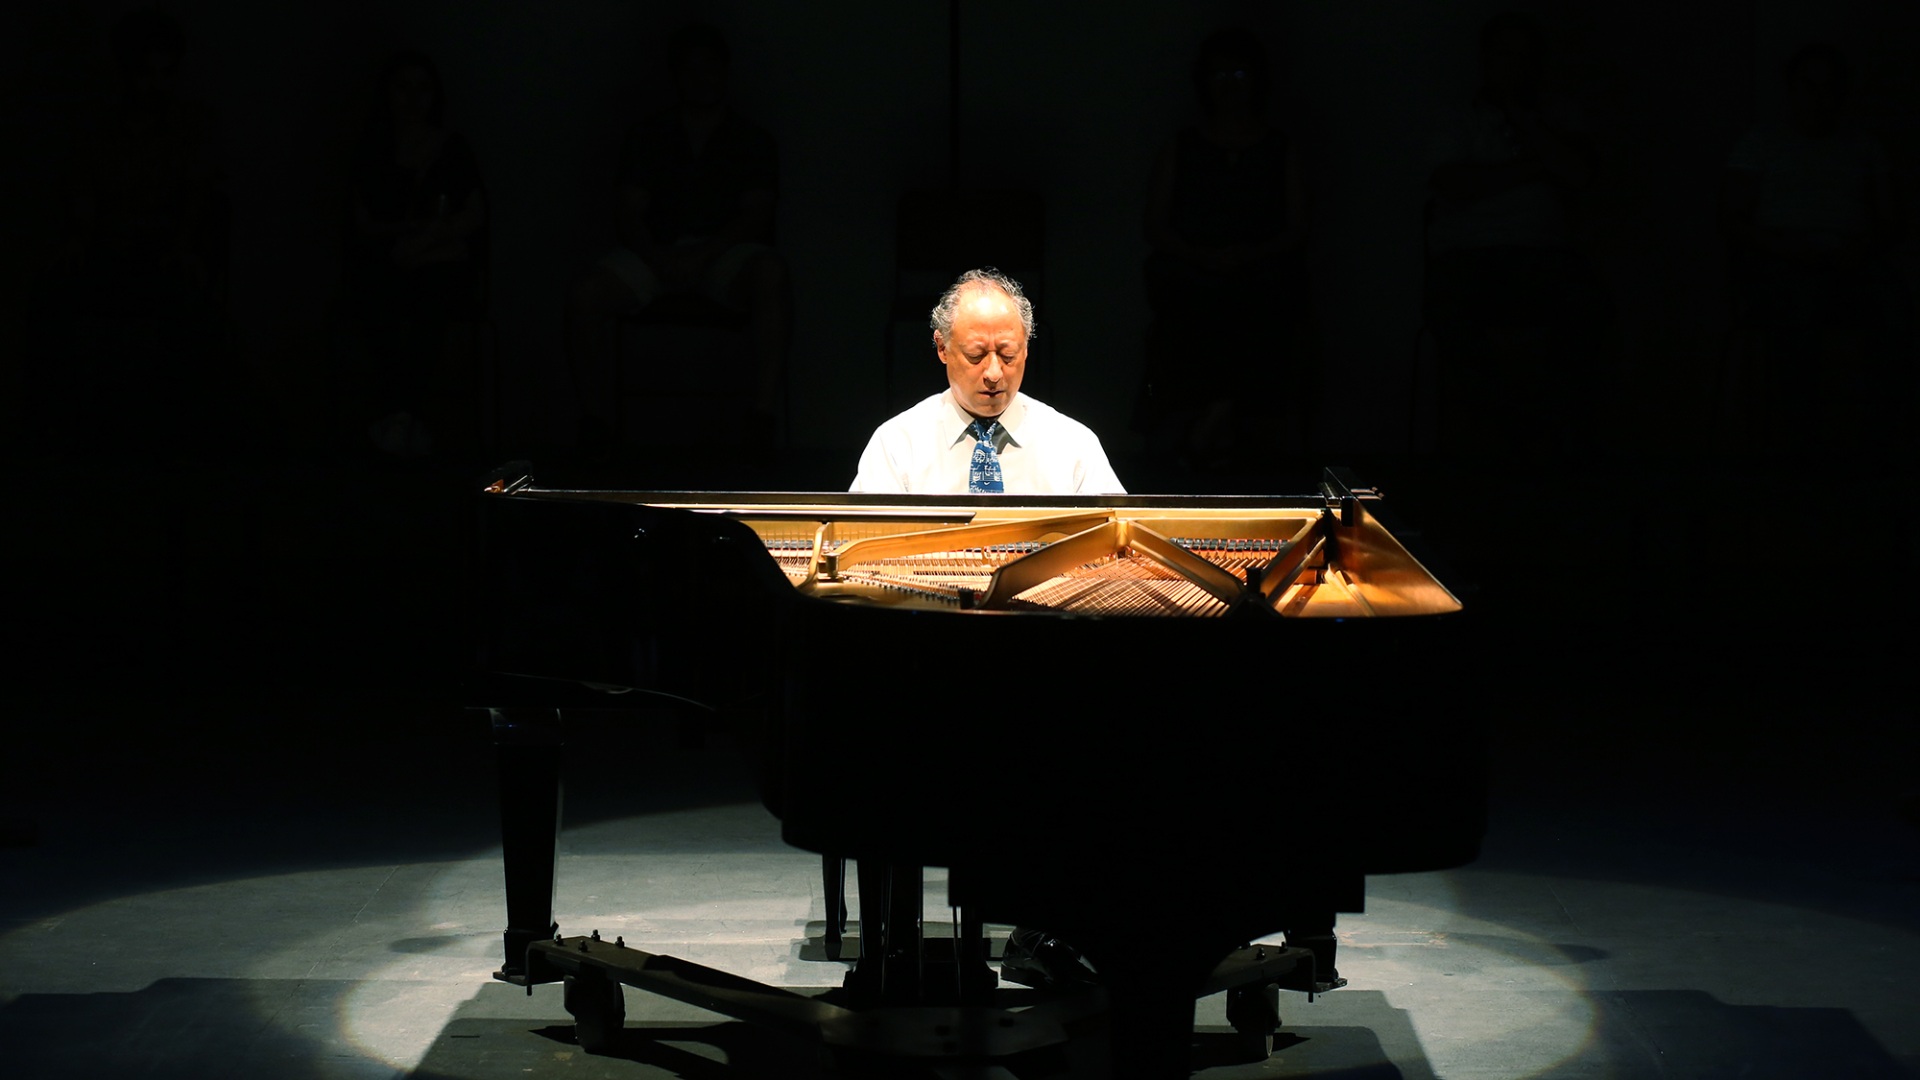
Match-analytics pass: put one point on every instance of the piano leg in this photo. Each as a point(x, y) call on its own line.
point(528, 744)
point(1318, 937)
point(599, 1008)
point(899, 964)
point(977, 981)
point(889, 970)
point(1254, 1012)
point(833, 881)
point(1149, 1020)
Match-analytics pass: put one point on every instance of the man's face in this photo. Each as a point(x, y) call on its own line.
point(986, 352)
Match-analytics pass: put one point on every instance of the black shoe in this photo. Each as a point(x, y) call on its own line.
point(1040, 960)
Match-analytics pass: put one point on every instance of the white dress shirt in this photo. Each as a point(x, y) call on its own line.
point(927, 449)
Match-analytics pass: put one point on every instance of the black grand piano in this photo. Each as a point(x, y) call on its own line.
point(1174, 670)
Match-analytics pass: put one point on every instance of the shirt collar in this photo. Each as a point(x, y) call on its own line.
point(959, 419)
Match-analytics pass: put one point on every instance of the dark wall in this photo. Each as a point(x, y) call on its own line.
point(1070, 98)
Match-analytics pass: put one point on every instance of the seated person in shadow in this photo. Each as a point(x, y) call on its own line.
point(415, 255)
point(1515, 307)
point(1226, 280)
point(1811, 218)
point(694, 215)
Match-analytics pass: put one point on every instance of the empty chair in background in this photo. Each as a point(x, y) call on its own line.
point(1517, 312)
point(1226, 278)
point(693, 227)
point(416, 261)
point(1823, 331)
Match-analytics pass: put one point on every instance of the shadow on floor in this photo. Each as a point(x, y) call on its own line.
point(666, 1039)
point(210, 1029)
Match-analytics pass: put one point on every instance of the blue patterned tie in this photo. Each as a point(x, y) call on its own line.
point(985, 476)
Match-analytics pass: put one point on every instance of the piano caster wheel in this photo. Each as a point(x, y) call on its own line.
point(599, 1008)
point(1254, 1012)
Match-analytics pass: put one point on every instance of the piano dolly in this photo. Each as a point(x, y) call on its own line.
point(593, 972)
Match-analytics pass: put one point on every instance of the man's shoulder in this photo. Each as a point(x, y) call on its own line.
point(901, 447)
point(1073, 452)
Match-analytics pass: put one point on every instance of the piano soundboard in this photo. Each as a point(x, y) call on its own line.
point(1142, 556)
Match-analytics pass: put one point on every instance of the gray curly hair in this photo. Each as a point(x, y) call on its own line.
point(942, 321)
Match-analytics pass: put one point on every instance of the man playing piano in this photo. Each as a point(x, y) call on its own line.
point(981, 434)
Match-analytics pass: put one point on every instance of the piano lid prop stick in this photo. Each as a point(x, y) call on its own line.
point(1287, 563)
point(1224, 586)
point(1102, 541)
point(1346, 582)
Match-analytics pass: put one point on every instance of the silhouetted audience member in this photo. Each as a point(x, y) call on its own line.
point(1226, 280)
point(133, 311)
point(416, 256)
point(694, 216)
point(1810, 215)
point(1515, 308)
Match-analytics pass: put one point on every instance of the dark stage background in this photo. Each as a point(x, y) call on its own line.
point(200, 540)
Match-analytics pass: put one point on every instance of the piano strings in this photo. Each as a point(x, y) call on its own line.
point(1096, 562)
